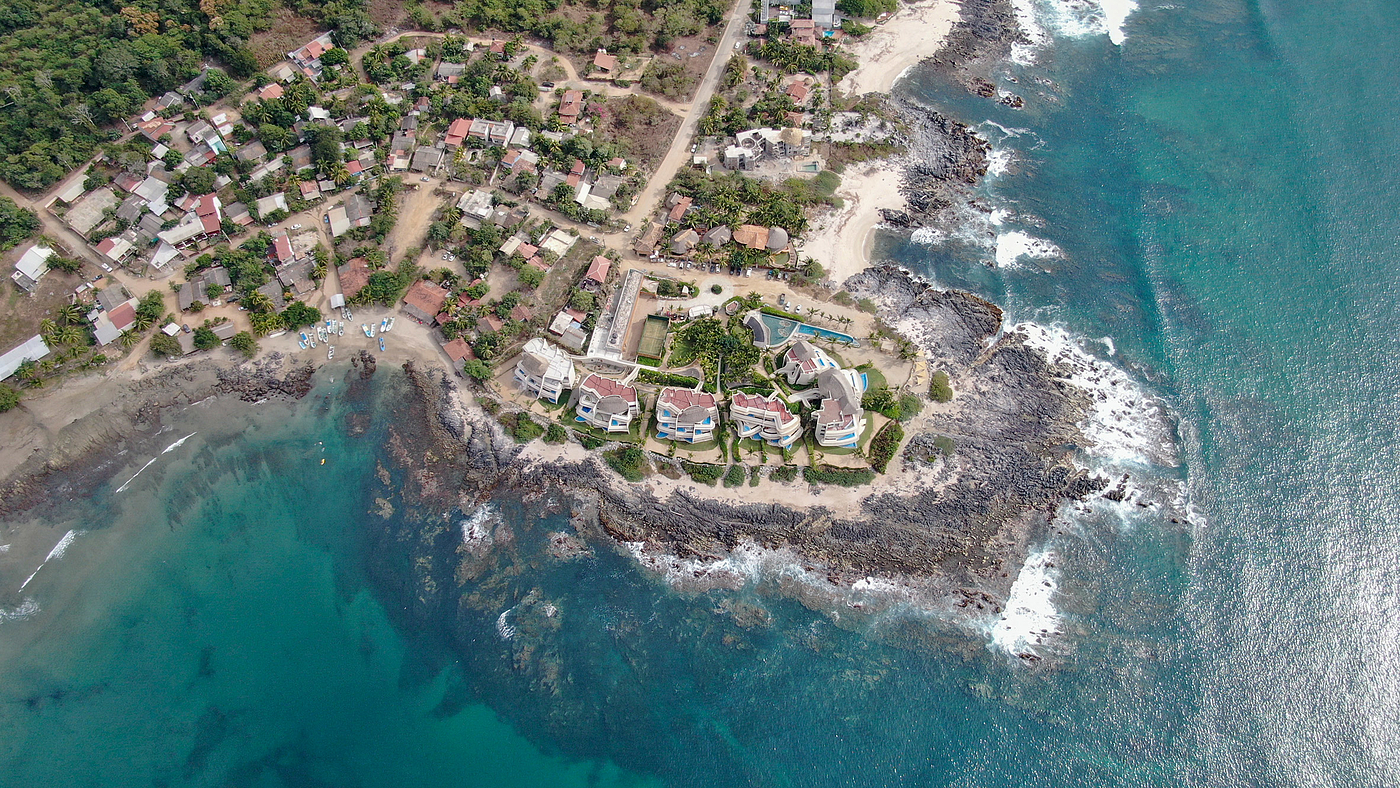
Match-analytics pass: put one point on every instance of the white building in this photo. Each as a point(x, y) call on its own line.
point(686, 416)
point(606, 404)
point(33, 349)
point(840, 418)
point(544, 370)
point(765, 419)
point(31, 267)
point(803, 362)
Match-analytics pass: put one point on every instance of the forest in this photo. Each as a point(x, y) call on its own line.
point(71, 71)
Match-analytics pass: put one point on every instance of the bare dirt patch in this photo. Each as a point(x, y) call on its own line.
point(415, 215)
point(288, 32)
point(20, 312)
point(643, 127)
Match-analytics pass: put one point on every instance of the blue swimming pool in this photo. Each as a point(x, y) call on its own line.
point(781, 329)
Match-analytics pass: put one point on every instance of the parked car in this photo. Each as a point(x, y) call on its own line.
point(425, 179)
point(547, 85)
point(296, 227)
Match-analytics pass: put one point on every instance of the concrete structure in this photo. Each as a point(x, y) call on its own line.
point(840, 419)
point(686, 416)
point(544, 371)
point(606, 404)
point(803, 362)
point(765, 419)
point(610, 336)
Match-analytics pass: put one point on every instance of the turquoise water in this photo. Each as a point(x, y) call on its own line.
point(1221, 190)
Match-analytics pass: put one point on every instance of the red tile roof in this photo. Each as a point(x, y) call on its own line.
point(678, 211)
point(426, 297)
point(598, 269)
point(282, 249)
point(685, 398)
point(354, 275)
point(521, 313)
point(123, 316)
point(459, 350)
point(605, 387)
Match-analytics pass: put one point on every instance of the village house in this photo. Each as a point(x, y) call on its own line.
point(606, 404)
point(567, 328)
point(604, 63)
point(32, 349)
point(197, 288)
point(686, 416)
point(458, 353)
point(571, 106)
point(597, 273)
point(31, 267)
point(424, 301)
point(354, 275)
point(765, 419)
point(544, 371)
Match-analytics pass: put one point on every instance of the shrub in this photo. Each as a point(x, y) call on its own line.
point(734, 477)
point(938, 388)
point(840, 477)
point(884, 445)
point(205, 338)
point(866, 305)
point(9, 398)
point(703, 472)
point(716, 289)
point(910, 405)
point(658, 378)
point(588, 441)
point(167, 346)
point(521, 427)
point(476, 369)
point(631, 462)
point(785, 473)
point(244, 342)
point(945, 444)
point(555, 434)
point(880, 400)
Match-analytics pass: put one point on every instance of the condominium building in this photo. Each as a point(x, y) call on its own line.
point(686, 416)
point(606, 404)
point(544, 370)
point(840, 420)
point(765, 419)
point(803, 362)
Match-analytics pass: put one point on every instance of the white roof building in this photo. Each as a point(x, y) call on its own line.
point(544, 370)
point(31, 266)
point(32, 349)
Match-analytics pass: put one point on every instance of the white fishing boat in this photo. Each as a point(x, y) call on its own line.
point(313, 342)
point(381, 344)
point(365, 328)
point(340, 329)
point(371, 331)
point(390, 327)
point(302, 342)
point(382, 324)
point(330, 352)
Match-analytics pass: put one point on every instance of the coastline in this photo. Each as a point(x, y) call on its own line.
point(841, 240)
point(913, 34)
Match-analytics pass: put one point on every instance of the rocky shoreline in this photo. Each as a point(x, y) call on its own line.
point(961, 535)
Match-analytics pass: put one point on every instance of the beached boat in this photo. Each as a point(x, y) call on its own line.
point(365, 328)
point(340, 329)
point(381, 344)
point(383, 325)
point(313, 342)
point(390, 327)
point(371, 330)
point(330, 352)
point(302, 342)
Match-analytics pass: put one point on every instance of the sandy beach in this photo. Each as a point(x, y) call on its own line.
point(840, 239)
point(915, 32)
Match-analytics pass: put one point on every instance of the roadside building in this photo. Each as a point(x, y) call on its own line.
point(424, 301)
point(31, 267)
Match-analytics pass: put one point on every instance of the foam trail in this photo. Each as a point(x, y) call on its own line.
point(1030, 615)
point(25, 609)
point(1013, 245)
point(57, 552)
point(177, 444)
point(4, 548)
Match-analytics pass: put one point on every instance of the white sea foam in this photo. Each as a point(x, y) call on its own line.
point(503, 627)
point(23, 610)
point(57, 552)
point(1015, 244)
point(177, 444)
point(1070, 19)
point(928, 236)
point(1030, 617)
point(4, 548)
point(476, 529)
point(1128, 426)
point(999, 161)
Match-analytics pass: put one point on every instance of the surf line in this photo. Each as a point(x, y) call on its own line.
point(167, 450)
point(57, 552)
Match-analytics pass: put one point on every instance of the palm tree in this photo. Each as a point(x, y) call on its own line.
point(70, 335)
point(71, 313)
point(130, 338)
point(47, 329)
point(340, 174)
point(144, 322)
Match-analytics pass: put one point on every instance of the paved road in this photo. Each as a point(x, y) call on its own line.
point(679, 154)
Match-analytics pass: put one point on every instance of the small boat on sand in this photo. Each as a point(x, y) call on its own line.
point(381, 344)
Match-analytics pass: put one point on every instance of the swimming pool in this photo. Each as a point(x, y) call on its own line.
point(781, 329)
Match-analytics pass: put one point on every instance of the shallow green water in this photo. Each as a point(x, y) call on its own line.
point(1222, 190)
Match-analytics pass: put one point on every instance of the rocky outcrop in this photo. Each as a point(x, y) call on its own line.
point(944, 161)
point(980, 39)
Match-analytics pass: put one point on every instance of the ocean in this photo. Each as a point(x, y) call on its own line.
point(1199, 195)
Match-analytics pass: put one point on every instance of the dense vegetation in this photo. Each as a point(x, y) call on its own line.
point(841, 477)
point(938, 388)
point(734, 199)
point(702, 472)
point(630, 462)
point(16, 224)
point(884, 445)
point(620, 26)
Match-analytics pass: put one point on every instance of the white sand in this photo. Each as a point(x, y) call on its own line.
point(840, 240)
point(914, 33)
